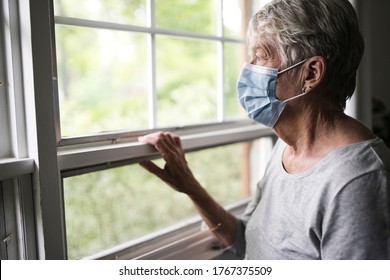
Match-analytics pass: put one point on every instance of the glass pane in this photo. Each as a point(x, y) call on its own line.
point(107, 208)
point(234, 18)
point(234, 56)
point(186, 81)
point(198, 16)
point(131, 12)
point(103, 80)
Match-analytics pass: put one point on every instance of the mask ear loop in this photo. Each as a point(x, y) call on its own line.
point(296, 96)
point(303, 89)
point(292, 66)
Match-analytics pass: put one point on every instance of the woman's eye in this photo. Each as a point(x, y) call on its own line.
point(261, 55)
point(259, 61)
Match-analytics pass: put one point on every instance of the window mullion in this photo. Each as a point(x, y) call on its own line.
point(152, 103)
point(152, 92)
point(220, 65)
point(151, 14)
point(220, 83)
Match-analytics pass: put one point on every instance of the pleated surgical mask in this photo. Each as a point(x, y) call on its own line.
point(256, 88)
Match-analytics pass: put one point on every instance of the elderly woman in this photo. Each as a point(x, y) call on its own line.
point(326, 191)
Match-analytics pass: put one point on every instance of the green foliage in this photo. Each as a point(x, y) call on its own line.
point(187, 15)
point(107, 208)
point(100, 89)
point(110, 207)
point(127, 12)
point(186, 81)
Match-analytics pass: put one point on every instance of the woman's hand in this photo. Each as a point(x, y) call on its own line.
point(176, 172)
point(178, 175)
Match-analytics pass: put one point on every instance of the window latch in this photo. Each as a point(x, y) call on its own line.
point(8, 238)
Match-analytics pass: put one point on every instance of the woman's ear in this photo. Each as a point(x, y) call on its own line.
point(314, 72)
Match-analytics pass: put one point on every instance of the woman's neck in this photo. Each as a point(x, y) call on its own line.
point(312, 135)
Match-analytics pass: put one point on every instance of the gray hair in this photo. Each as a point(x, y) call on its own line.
point(301, 29)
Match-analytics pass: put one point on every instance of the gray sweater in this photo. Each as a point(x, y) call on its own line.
point(339, 209)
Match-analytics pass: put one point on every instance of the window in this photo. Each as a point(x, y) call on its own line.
point(127, 68)
point(138, 65)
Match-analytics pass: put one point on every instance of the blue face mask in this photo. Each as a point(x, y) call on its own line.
point(256, 88)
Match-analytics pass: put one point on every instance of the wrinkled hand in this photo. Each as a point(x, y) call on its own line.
point(176, 172)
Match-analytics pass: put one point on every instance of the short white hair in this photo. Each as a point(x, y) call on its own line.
point(301, 29)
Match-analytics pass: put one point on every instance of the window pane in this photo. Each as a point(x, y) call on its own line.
point(234, 56)
point(110, 207)
point(234, 18)
point(103, 80)
point(186, 81)
point(198, 16)
point(131, 12)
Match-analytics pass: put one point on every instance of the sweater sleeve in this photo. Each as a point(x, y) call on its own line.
point(357, 223)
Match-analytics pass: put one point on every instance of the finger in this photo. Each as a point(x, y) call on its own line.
point(166, 144)
point(162, 141)
point(163, 147)
point(169, 139)
point(174, 141)
point(170, 151)
point(178, 141)
point(151, 138)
